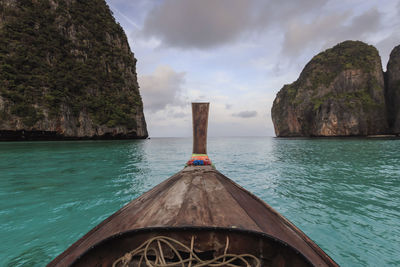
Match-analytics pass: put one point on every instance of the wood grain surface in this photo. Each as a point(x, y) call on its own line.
point(198, 196)
point(200, 124)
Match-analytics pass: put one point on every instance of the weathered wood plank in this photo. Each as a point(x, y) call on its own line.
point(122, 220)
point(225, 209)
point(200, 124)
point(274, 224)
point(198, 196)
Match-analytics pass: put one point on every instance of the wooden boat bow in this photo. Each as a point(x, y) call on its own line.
point(199, 201)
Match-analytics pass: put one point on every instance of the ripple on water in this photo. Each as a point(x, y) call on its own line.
point(343, 193)
point(33, 256)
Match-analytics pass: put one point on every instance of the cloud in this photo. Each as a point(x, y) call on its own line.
point(131, 12)
point(386, 45)
point(300, 35)
point(277, 12)
point(208, 23)
point(297, 26)
point(199, 24)
point(180, 115)
point(162, 88)
point(368, 22)
point(245, 114)
point(329, 30)
point(238, 54)
point(398, 7)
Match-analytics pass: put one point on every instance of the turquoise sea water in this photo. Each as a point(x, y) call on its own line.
point(343, 193)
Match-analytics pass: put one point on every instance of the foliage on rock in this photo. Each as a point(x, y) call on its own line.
point(340, 92)
point(393, 89)
point(58, 55)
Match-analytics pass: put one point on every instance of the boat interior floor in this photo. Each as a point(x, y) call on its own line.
point(191, 246)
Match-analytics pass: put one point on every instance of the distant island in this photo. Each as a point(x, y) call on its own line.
point(66, 72)
point(342, 91)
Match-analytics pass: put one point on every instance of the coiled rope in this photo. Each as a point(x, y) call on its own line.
point(154, 245)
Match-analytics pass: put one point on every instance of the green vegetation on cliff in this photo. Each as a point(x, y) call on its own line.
point(339, 92)
point(327, 65)
point(350, 99)
point(72, 53)
point(393, 89)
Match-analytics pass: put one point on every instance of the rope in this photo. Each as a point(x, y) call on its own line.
point(155, 245)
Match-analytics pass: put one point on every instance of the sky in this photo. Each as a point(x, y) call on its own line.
point(237, 54)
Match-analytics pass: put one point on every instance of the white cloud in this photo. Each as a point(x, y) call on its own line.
point(192, 23)
point(398, 8)
point(208, 23)
point(245, 114)
point(386, 45)
point(162, 88)
point(329, 30)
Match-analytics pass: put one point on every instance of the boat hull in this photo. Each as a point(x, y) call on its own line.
point(198, 196)
point(209, 242)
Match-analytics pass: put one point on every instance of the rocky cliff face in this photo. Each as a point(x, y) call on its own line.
point(66, 71)
point(340, 92)
point(393, 89)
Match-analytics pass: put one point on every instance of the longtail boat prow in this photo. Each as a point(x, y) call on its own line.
point(197, 217)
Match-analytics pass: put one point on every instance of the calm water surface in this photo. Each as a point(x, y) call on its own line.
point(343, 193)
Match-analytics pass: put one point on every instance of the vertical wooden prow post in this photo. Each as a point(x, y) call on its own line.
point(200, 124)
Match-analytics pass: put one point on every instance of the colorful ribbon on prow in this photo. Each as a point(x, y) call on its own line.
point(199, 160)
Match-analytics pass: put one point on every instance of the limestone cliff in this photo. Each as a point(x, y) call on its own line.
point(340, 92)
point(393, 89)
point(66, 72)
